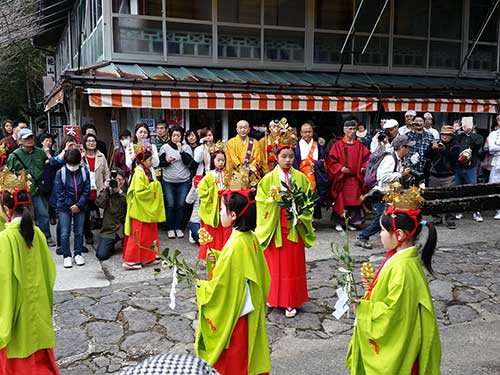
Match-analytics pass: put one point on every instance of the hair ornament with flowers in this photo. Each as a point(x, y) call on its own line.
point(12, 182)
point(217, 146)
point(286, 136)
point(139, 149)
point(401, 199)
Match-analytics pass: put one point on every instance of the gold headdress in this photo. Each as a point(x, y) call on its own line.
point(400, 199)
point(217, 146)
point(11, 182)
point(286, 136)
point(243, 178)
point(138, 148)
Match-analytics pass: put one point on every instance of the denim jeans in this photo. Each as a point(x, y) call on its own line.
point(194, 228)
point(87, 228)
point(106, 247)
point(465, 176)
point(41, 209)
point(374, 226)
point(176, 195)
point(65, 219)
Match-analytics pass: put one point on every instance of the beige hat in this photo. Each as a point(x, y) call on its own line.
point(447, 129)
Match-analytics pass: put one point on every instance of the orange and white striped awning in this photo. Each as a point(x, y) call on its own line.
point(230, 101)
point(440, 105)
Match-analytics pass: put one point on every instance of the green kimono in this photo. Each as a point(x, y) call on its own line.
point(397, 325)
point(144, 201)
point(269, 213)
point(27, 277)
point(221, 300)
point(208, 192)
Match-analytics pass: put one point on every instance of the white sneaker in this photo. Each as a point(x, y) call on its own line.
point(477, 216)
point(352, 229)
point(191, 239)
point(79, 260)
point(459, 216)
point(179, 233)
point(171, 234)
point(497, 215)
point(339, 228)
point(68, 262)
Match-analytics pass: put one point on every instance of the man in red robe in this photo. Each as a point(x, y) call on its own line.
point(346, 164)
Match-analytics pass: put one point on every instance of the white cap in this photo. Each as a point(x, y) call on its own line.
point(391, 123)
point(497, 117)
point(427, 115)
point(411, 112)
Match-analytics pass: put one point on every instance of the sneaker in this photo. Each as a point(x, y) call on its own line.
point(352, 228)
point(68, 262)
point(59, 250)
point(179, 233)
point(79, 260)
point(191, 239)
point(363, 243)
point(477, 217)
point(451, 224)
point(290, 312)
point(171, 234)
point(497, 215)
point(132, 266)
point(51, 242)
point(339, 228)
point(459, 216)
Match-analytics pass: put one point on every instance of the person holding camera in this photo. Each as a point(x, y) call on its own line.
point(113, 200)
point(417, 160)
point(443, 156)
point(383, 138)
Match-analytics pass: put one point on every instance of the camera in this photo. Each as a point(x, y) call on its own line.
point(113, 184)
point(381, 136)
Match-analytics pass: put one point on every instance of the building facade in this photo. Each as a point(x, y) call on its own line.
point(204, 62)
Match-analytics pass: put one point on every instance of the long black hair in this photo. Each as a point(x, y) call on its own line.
point(213, 155)
point(137, 127)
point(237, 203)
point(27, 228)
point(407, 224)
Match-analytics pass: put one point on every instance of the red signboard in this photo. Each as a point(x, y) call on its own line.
point(73, 130)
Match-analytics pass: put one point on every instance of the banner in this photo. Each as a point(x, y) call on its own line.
point(115, 133)
point(72, 130)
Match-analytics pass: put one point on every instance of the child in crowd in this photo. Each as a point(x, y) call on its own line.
point(145, 209)
point(194, 220)
point(231, 333)
point(284, 240)
point(27, 276)
point(210, 189)
point(72, 190)
point(396, 330)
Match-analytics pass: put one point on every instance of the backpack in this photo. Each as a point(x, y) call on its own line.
point(372, 167)
point(63, 173)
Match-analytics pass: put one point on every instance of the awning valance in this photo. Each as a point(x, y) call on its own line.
point(440, 105)
point(229, 101)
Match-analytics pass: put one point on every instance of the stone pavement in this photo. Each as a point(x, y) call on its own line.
point(102, 330)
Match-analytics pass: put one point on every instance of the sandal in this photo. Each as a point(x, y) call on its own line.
point(132, 266)
point(290, 312)
point(151, 263)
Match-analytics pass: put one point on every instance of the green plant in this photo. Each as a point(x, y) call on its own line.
point(296, 201)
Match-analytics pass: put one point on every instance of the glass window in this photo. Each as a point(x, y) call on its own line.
point(327, 48)
point(189, 39)
point(409, 52)
point(285, 12)
point(282, 45)
point(334, 15)
point(138, 7)
point(478, 12)
point(483, 58)
point(237, 43)
point(239, 11)
point(445, 55)
point(134, 35)
point(99, 8)
point(368, 16)
point(449, 27)
point(411, 17)
point(376, 52)
point(196, 10)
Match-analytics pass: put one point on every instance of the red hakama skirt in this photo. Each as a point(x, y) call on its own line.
point(287, 267)
point(147, 234)
point(42, 362)
point(234, 360)
point(220, 236)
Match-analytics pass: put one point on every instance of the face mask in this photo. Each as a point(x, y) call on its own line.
point(125, 142)
point(73, 168)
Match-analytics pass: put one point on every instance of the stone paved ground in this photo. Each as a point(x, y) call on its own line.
point(103, 330)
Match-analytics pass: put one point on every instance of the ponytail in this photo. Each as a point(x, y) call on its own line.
point(27, 226)
point(430, 246)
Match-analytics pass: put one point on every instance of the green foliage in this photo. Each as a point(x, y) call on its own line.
point(296, 201)
point(170, 259)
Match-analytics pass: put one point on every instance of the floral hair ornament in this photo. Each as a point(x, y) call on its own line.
point(15, 184)
point(217, 146)
point(286, 136)
point(245, 193)
point(139, 149)
point(407, 202)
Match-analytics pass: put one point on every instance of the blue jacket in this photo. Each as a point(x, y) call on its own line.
point(65, 190)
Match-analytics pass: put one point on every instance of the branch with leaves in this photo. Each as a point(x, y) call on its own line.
point(296, 201)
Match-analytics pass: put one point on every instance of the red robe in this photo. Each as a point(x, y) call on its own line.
point(345, 190)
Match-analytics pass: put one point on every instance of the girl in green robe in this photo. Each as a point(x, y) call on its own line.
point(231, 332)
point(396, 330)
